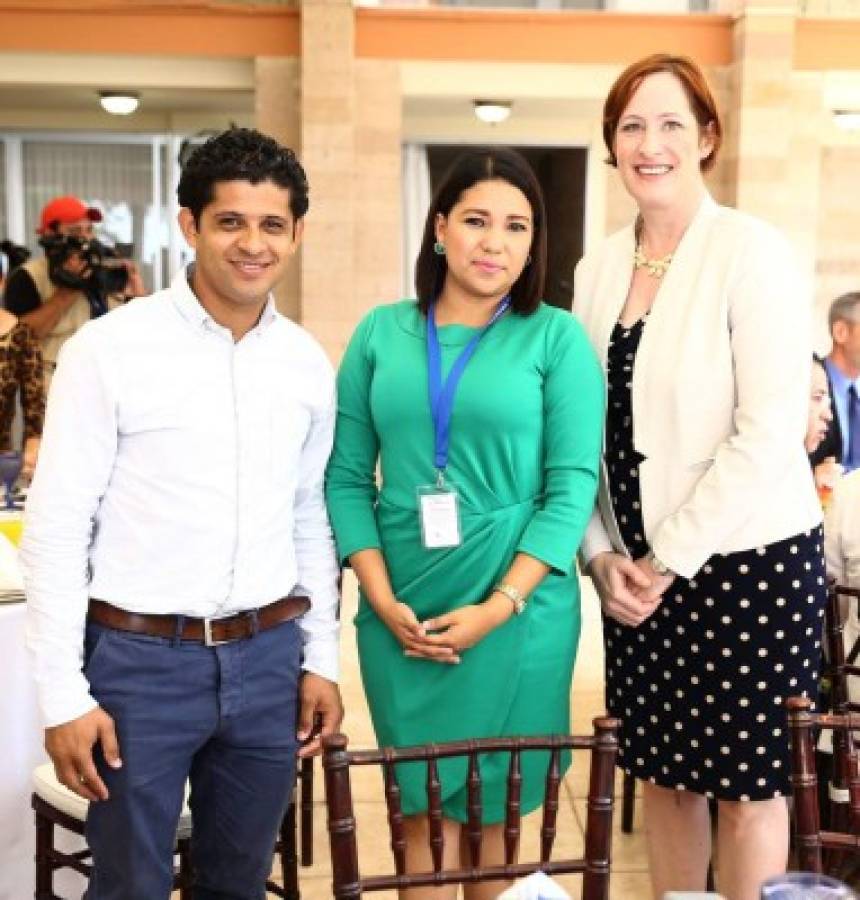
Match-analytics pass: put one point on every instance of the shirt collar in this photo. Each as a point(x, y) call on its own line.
point(193, 312)
point(840, 381)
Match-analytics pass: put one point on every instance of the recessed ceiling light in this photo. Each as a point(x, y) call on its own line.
point(119, 103)
point(492, 111)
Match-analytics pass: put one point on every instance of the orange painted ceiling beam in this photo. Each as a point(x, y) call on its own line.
point(538, 36)
point(821, 44)
point(213, 28)
point(182, 27)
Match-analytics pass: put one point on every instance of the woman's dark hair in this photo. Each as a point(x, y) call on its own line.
point(468, 170)
point(241, 154)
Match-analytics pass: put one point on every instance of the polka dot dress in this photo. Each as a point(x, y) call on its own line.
point(700, 686)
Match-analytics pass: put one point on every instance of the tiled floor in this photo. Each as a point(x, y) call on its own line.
point(629, 879)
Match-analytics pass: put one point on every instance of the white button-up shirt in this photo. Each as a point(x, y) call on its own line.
point(180, 472)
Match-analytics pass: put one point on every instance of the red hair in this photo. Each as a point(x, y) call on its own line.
point(695, 86)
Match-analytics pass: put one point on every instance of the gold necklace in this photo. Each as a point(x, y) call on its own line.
point(656, 267)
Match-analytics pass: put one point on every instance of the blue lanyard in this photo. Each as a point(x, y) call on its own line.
point(442, 395)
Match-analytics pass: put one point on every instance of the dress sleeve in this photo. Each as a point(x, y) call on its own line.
point(31, 379)
point(351, 489)
point(573, 408)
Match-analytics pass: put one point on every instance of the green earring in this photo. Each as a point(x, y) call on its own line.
point(439, 248)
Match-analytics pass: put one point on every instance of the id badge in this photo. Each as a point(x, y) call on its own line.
point(439, 515)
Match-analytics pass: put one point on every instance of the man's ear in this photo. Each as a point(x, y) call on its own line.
point(188, 226)
point(298, 233)
point(839, 332)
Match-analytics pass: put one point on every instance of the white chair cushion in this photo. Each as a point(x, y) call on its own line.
point(47, 787)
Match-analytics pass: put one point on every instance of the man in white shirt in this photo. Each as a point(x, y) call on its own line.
point(175, 531)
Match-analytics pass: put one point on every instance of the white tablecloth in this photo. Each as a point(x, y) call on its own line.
point(21, 752)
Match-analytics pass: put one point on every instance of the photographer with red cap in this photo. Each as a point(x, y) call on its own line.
point(54, 294)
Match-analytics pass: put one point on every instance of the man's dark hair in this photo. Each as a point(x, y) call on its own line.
point(241, 154)
point(471, 168)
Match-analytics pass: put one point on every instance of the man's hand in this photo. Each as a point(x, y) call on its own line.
point(70, 747)
point(624, 588)
point(318, 697)
point(135, 286)
point(75, 264)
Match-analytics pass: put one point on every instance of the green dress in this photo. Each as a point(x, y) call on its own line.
point(525, 440)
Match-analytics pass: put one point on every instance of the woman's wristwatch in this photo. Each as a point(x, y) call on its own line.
point(657, 564)
point(515, 595)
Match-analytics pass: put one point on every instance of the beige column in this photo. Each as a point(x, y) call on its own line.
point(328, 155)
point(377, 188)
point(772, 126)
point(276, 107)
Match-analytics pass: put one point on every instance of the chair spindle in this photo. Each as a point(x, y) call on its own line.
point(473, 828)
point(550, 806)
point(395, 817)
point(512, 808)
point(434, 814)
point(805, 785)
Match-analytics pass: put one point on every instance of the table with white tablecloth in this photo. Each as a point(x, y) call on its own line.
point(22, 751)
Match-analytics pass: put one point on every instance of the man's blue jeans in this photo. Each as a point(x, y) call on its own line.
point(223, 716)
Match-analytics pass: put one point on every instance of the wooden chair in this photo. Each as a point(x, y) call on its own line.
point(840, 667)
point(350, 884)
point(57, 807)
point(810, 839)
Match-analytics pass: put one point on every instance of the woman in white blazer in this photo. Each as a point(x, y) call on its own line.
point(706, 547)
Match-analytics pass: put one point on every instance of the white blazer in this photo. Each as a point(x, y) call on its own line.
point(720, 390)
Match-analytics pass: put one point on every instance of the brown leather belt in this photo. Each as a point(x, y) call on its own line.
point(237, 627)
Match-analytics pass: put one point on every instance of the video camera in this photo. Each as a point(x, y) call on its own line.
point(105, 272)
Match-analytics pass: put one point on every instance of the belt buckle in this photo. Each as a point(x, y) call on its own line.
point(207, 635)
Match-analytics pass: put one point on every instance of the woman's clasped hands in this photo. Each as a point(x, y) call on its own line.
point(629, 590)
point(443, 638)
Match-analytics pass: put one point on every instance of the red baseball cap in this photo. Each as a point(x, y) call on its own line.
point(65, 210)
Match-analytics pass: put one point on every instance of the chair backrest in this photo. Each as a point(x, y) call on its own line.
point(594, 864)
point(843, 664)
point(811, 840)
point(841, 667)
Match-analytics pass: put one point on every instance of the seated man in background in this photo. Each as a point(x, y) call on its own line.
point(57, 293)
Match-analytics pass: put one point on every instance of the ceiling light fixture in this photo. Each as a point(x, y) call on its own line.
point(847, 119)
point(492, 111)
point(119, 103)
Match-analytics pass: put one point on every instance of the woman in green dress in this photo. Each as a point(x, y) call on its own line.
point(469, 613)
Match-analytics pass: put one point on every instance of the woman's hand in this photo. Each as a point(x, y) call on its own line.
point(659, 583)
point(625, 591)
point(464, 627)
point(29, 457)
point(402, 622)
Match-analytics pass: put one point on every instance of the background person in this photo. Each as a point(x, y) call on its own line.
point(175, 520)
point(843, 370)
point(826, 470)
point(56, 304)
point(443, 653)
point(706, 546)
point(21, 375)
